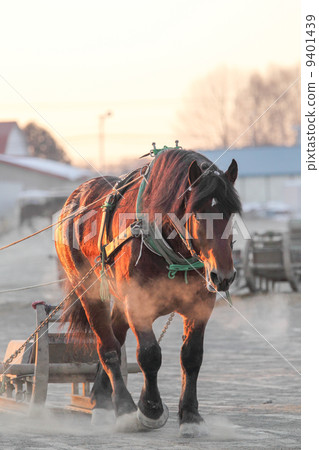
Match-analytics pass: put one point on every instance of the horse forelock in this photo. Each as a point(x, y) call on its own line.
point(214, 184)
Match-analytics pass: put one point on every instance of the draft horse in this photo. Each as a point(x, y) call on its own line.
point(180, 184)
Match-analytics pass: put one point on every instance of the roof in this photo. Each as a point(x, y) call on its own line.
point(32, 194)
point(5, 130)
point(259, 161)
point(47, 166)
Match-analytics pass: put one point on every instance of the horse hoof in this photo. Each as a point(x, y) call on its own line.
point(191, 430)
point(102, 417)
point(153, 423)
point(128, 423)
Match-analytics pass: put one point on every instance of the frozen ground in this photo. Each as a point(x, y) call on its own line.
point(249, 394)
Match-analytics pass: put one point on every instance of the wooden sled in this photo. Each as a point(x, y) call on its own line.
point(52, 359)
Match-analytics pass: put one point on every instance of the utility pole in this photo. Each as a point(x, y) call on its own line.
point(102, 118)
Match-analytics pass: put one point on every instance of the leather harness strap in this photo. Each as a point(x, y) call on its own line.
point(109, 205)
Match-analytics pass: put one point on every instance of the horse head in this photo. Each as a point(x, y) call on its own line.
point(212, 202)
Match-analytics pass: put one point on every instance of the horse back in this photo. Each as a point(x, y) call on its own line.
point(76, 234)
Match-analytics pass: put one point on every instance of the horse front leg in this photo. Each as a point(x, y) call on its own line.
point(151, 413)
point(191, 361)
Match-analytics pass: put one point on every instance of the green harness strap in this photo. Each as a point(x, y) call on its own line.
point(159, 245)
point(174, 268)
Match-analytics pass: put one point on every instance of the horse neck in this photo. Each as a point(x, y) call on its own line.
point(159, 215)
point(177, 244)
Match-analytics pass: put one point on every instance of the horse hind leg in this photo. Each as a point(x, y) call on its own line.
point(101, 393)
point(101, 398)
point(109, 351)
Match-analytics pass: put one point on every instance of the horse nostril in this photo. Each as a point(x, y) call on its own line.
point(222, 283)
point(214, 277)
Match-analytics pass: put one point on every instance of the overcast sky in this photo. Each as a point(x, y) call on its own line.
point(65, 62)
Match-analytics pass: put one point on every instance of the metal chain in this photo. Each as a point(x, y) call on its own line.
point(169, 320)
point(49, 317)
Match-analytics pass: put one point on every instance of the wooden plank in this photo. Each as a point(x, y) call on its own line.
point(17, 369)
point(71, 378)
point(41, 371)
point(133, 368)
point(78, 409)
point(75, 388)
point(55, 370)
point(7, 404)
point(81, 401)
point(86, 388)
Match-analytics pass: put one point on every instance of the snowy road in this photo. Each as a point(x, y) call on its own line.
point(248, 389)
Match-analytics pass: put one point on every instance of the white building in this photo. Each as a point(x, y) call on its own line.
point(20, 172)
point(266, 175)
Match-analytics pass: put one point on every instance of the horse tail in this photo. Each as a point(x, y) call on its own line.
point(73, 316)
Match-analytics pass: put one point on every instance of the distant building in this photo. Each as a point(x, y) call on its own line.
point(12, 140)
point(265, 174)
point(20, 172)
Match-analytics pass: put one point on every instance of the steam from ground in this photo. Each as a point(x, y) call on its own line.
point(52, 424)
point(222, 429)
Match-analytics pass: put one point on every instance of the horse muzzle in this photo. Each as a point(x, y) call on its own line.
point(216, 281)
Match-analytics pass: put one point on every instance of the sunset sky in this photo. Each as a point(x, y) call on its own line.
point(64, 63)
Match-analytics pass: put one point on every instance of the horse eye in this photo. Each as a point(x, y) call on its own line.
point(232, 244)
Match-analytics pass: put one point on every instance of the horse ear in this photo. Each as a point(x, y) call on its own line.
point(232, 171)
point(194, 172)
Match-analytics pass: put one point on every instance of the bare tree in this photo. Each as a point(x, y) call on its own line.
point(272, 101)
point(221, 108)
point(206, 119)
